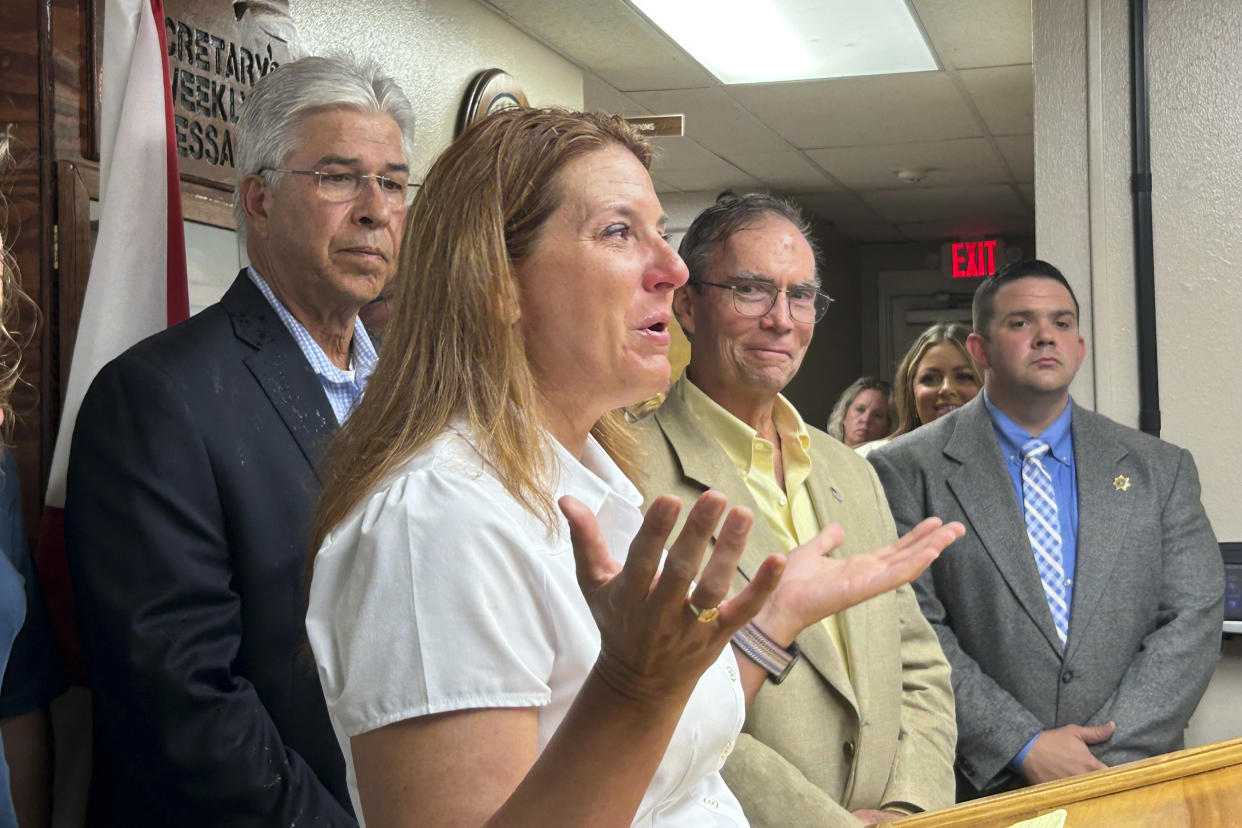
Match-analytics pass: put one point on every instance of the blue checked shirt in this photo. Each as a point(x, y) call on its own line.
point(1064, 474)
point(343, 386)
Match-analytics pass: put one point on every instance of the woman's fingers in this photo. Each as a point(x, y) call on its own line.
point(717, 575)
point(682, 563)
point(594, 566)
point(643, 560)
point(742, 607)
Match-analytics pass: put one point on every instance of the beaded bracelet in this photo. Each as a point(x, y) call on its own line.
point(772, 657)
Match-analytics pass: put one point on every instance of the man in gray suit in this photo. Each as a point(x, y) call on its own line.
point(1081, 613)
point(860, 729)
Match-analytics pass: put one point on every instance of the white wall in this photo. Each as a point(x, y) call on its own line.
point(434, 48)
point(1084, 219)
point(1084, 226)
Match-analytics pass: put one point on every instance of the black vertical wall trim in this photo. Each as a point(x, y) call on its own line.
point(1144, 257)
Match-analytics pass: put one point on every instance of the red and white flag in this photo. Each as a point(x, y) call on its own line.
point(137, 283)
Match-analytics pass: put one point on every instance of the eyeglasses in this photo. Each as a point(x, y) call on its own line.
point(340, 187)
point(752, 298)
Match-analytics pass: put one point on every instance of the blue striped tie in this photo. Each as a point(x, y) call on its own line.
point(1039, 504)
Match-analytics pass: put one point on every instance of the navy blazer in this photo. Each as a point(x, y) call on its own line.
point(191, 487)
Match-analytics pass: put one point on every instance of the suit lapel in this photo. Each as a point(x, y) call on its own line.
point(985, 493)
point(1103, 515)
point(281, 369)
point(705, 463)
point(816, 643)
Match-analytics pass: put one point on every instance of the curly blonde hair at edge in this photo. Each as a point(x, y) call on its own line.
point(13, 300)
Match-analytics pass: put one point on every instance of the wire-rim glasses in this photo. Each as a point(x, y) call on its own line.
point(807, 304)
point(340, 187)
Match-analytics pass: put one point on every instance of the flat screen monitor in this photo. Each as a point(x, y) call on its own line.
point(1232, 554)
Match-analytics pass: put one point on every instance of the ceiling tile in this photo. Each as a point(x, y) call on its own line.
point(682, 154)
point(968, 228)
point(610, 38)
point(1019, 152)
point(837, 206)
point(1004, 96)
point(878, 109)
point(973, 33)
point(919, 204)
point(599, 96)
point(723, 178)
point(949, 163)
point(785, 171)
point(870, 232)
point(662, 186)
point(714, 120)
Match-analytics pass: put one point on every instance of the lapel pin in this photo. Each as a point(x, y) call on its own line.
point(836, 494)
point(1121, 483)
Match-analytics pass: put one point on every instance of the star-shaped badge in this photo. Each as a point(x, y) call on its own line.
point(1121, 483)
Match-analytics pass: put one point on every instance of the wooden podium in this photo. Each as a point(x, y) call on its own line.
point(1196, 788)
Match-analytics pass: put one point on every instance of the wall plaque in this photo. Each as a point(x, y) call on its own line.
point(662, 126)
point(489, 91)
point(217, 52)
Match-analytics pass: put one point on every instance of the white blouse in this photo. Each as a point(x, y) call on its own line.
point(441, 592)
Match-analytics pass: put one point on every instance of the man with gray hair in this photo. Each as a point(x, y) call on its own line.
point(192, 478)
point(858, 725)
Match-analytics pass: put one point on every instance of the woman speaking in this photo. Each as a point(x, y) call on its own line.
point(498, 638)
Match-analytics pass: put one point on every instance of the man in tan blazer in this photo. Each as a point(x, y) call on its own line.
point(861, 730)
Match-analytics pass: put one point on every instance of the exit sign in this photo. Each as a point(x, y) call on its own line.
point(972, 259)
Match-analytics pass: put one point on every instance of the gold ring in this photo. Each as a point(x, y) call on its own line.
point(705, 615)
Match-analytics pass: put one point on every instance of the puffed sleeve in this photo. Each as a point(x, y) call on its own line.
point(432, 600)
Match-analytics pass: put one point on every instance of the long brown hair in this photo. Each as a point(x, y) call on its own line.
point(452, 347)
point(903, 397)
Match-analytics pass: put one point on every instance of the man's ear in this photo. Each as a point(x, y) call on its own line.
point(255, 198)
point(683, 309)
point(976, 346)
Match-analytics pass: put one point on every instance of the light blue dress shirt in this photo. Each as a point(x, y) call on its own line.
point(342, 385)
point(1061, 468)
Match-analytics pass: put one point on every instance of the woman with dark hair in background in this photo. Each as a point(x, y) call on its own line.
point(864, 412)
point(936, 376)
point(485, 657)
point(28, 658)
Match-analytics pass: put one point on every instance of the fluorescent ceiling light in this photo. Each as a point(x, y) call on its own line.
point(757, 41)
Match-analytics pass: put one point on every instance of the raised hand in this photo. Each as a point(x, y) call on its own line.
point(815, 585)
point(652, 643)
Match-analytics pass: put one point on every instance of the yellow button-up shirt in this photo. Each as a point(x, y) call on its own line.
point(788, 510)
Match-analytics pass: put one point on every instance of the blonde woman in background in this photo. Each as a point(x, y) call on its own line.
point(936, 377)
point(863, 412)
point(29, 660)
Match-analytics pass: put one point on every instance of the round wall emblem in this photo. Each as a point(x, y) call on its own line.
point(490, 91)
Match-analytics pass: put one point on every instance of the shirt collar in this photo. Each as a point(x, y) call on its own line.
point(593, 479)
point(736, 437)
point(363, 356)
point(1012, 436)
